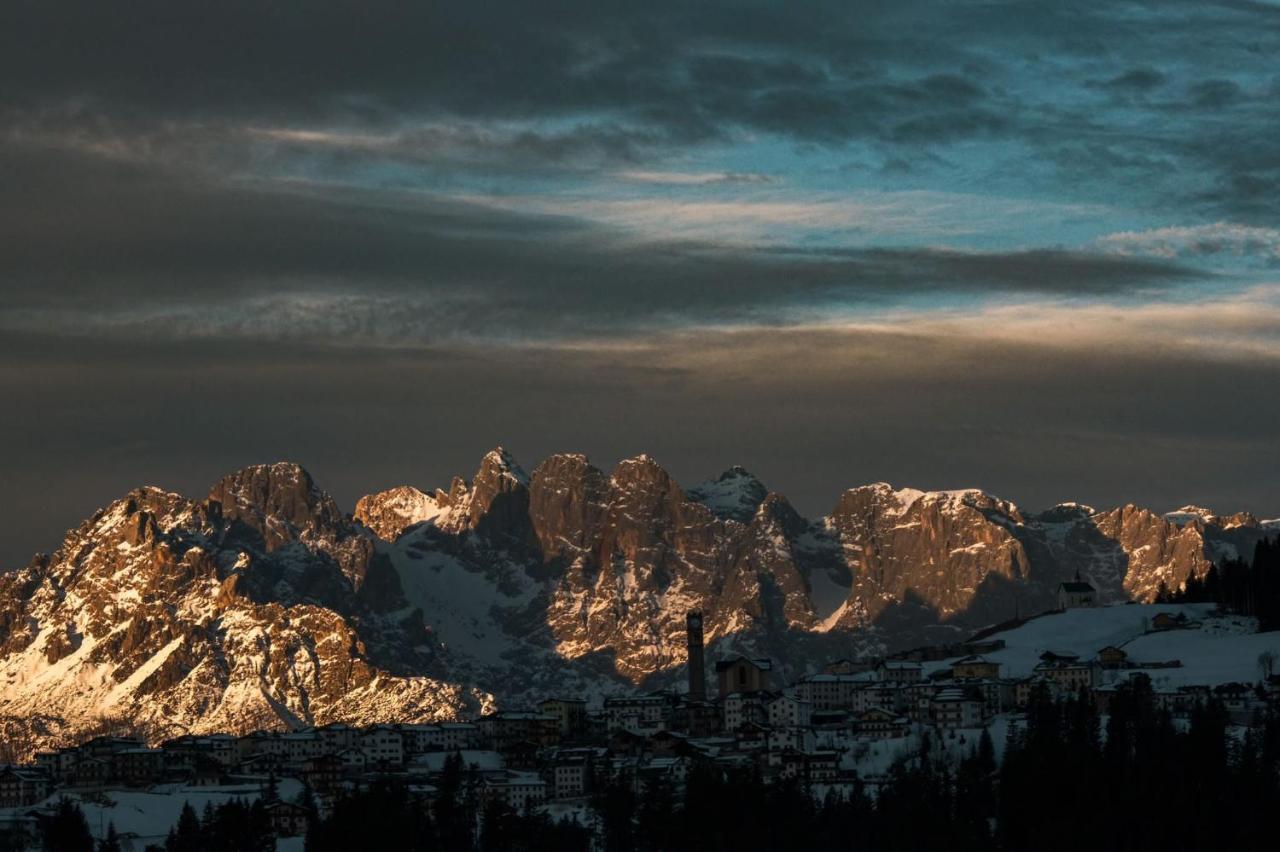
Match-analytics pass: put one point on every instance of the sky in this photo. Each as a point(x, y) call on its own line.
point(1031, 247)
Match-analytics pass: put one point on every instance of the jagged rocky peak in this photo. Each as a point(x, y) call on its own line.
point(142, 514)
point(642, 470)
point(389, 513)
point(735, 495)
point(499, 498)
point(642, 490)
point(279, 501)
point(1065, 513)
point(777, 510)
point(567, 496)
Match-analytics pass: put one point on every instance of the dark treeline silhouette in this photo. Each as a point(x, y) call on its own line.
point(1140, 781)
point(1144, 782)
point(1238, 586)
point(234, 826)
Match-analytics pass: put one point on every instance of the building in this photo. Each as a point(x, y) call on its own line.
point(847, 667)
point(881, 724)
point(644, 714)
point(697, 657)
point(570, 714)
point(900, 671)
point(456, 736)
point(1067, 671)
point(21, 786)
point(833, 691)
point(1112, 657)
point(742, 708)
point(742, 675)
point(786, 711)
point(383, 746)
point(1169, 621)
point(1076, 594)
point(572, 772)
point(975, 667)
point(520, 790)
point(810, 767)
point(138, 767)
point(288, 819)
point(958, 707)
point(505, 728)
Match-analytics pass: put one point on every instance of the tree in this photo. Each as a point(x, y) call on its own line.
point(186, 835)
point(66, 830)
point(110, 843)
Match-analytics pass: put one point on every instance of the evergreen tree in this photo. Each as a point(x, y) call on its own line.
point(66, 830)
point(111, 842)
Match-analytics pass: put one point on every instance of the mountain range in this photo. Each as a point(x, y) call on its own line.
point(263, 604)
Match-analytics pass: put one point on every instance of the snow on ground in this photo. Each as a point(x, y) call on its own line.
point(458, 603)
point(872, 759)
point(1207, 656)
point(147, 815)
point(1086, 631)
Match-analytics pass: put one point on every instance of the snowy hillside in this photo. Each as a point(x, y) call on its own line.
point(1215, 650)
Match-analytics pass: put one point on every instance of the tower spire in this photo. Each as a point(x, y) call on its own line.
point(697, 661)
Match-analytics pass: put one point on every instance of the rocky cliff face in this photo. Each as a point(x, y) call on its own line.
point(263, 605)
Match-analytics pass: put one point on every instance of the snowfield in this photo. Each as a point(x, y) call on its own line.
point(1219, 650)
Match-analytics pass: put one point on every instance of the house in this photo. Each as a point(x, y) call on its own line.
point(834, 691)
point(788, 711)
point(1112, 657)
point(21, 786)
point(743, 675)
point(900, 671)
point(958, 707)
point(572, 772)
point(848, 667)
point(741, 708)
point(1076, 593)
point(571, 714)
point(881, 724)
point(325, 772)
point(383, 746)
point(641, 714)
point(457, 736)
point(810, 767)
point(302, 745)
point(338, 736)
point(288, 819)
point(1169, 621)
point(138, 767)
point(975, 667)
point(1067, 671)
point(505, 728)
point(697, 718)
point(520, 790)
point(1236, 698)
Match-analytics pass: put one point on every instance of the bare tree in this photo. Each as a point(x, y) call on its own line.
point(1267, 663)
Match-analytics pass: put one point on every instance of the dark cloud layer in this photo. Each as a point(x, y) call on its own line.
point(809, 414)
point(379, 237)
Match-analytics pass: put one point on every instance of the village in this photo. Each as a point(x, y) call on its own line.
point(842, 725)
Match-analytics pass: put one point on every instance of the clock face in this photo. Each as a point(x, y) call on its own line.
point(695, 621)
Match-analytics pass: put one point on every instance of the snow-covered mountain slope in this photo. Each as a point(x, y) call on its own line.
point(263, 605)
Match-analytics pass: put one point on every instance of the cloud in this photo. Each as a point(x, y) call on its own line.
point(694, 178)
point(1219, 238)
